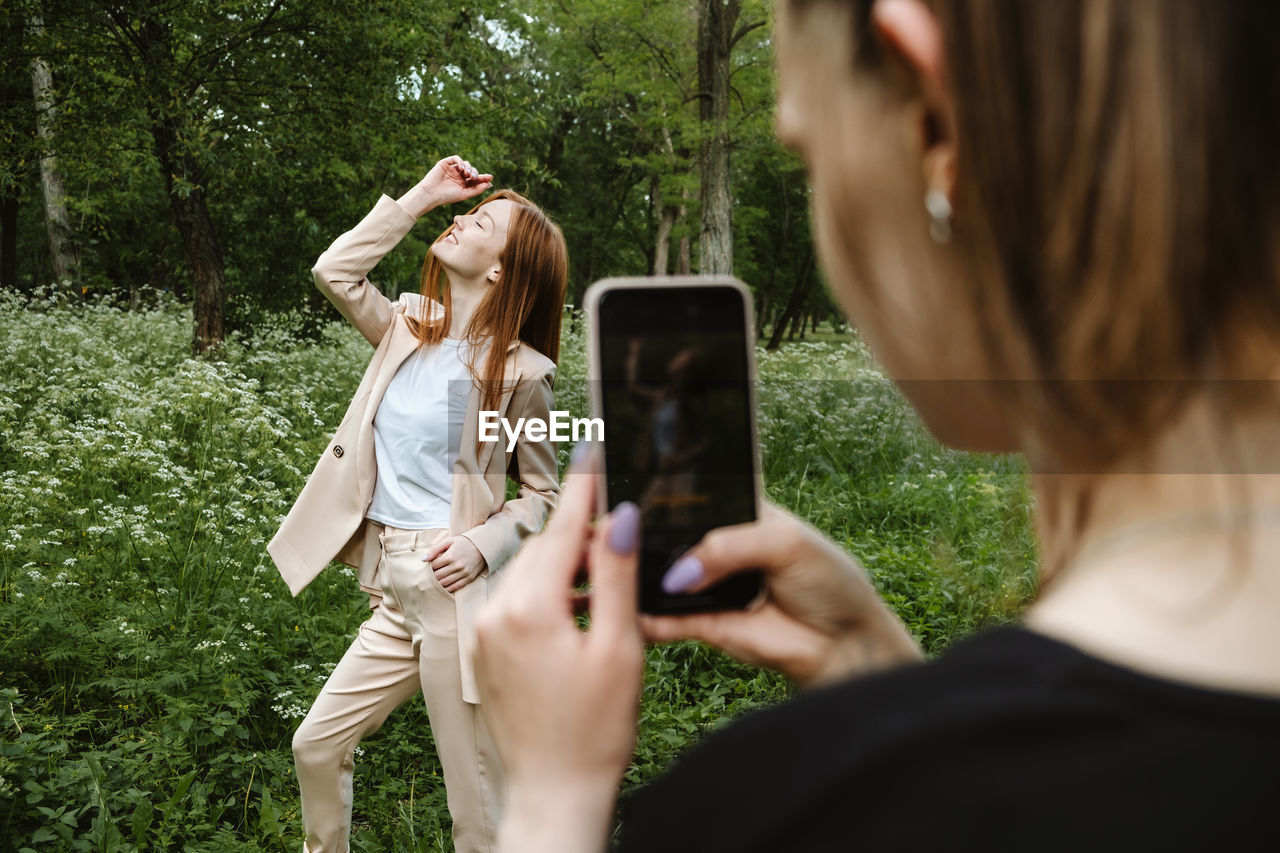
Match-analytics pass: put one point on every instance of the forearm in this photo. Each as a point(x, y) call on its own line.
point(417, 201)
point(341, 272)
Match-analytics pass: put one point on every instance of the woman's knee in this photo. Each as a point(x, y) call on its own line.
point(310, 744)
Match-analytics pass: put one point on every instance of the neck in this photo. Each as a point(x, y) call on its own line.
point(464, 297)
point(1166, 563)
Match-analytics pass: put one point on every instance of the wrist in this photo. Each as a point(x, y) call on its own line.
point(563, 817)
point(880, 643)
point(418, 201)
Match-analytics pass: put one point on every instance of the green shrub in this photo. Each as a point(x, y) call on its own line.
point(154, 666)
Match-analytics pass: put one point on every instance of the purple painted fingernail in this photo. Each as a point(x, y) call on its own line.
point(580, 451)
point(625, 530)
point(683, 574)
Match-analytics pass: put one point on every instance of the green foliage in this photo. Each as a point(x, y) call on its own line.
point(946, 536)
point(289, 119)
point(154, 666)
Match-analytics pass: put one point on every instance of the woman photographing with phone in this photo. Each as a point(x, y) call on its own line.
point(408, 495)
point(1055, 224)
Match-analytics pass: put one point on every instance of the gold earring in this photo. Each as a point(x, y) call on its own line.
point(940, 212)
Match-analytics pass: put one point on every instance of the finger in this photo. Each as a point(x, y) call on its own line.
point(769, 544)
point(572, 517)
point(614, 556)
point(437, 549)
point(695, 626)
point(767, 637)
point(450, 575)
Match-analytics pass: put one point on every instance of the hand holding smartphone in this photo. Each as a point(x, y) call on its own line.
point(672, 377)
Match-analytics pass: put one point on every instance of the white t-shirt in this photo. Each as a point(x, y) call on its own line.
point(416, 432)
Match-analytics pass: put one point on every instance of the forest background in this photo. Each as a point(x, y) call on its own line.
point(169, 171)
point(213, 149)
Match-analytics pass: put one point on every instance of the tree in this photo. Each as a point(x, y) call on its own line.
point(16, 119)
point(232, 88)
point(215, 148)
point(717, 37)
point(62, 248)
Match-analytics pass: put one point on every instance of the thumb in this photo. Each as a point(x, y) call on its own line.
point(768, 544)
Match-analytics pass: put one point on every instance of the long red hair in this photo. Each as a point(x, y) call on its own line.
point(525, 303)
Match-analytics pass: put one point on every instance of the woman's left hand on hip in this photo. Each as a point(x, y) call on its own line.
point(456, 562)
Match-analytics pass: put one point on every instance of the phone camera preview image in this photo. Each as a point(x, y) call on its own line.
point(679, 438)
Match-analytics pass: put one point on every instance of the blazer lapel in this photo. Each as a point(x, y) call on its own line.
point(471, 426)
point(400, 343)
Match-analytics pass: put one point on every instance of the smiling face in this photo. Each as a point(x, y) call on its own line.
point(469, 251)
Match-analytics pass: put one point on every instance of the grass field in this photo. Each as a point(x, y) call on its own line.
point(153, 665)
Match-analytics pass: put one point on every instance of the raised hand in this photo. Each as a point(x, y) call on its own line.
point(451, 179)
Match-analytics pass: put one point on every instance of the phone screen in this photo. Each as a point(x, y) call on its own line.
point(679, 437)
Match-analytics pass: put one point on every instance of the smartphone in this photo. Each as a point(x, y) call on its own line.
point(673, 380)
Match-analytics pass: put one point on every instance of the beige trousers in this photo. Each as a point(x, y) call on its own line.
point(409, 643)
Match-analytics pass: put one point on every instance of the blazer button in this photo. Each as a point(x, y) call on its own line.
point(338, 451)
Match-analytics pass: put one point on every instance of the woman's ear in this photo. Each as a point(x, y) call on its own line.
point(493, 274)
point(910, 34)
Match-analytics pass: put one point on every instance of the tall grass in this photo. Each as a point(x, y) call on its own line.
point(153, 666)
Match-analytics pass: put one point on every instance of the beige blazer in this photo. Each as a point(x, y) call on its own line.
point(327, 522)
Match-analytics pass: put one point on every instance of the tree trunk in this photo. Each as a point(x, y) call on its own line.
point(199, 245)
point(184, 183)
point(766, 296)
point(62, 249)
point(683, 259)
point(662, 247)
point(794, 303)
point(716, 19)
point(9, 239)
point(204, 259)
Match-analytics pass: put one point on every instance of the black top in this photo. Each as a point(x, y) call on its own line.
point(1009, 741)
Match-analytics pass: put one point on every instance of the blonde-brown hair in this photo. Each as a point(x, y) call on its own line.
point(525, 303)
point(1117, 183)
point(1121, 155)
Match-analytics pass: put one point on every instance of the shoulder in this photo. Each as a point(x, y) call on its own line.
point(410, 304)
point(756, 778)
point(1010, 717)
point(531, 363)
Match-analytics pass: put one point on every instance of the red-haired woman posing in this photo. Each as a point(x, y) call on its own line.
point(406, 493)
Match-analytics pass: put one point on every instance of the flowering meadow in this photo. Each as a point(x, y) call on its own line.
point(153, 665)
